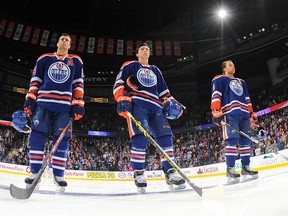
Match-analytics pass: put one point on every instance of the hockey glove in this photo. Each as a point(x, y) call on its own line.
point(77, 109)
point(124, 105)
point(217, 117)
point(172, 109)
point(30, 103)
point(19, 121)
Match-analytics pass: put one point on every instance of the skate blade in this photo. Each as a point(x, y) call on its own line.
point(177, 187)
point(214, 192)
point(233, 180)
point(141, 189)
point(249, 177)
point(60, 189)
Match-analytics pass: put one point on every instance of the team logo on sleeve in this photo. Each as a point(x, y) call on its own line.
point(236, 87)
point(146, 77)
point(59, 72)
point(70, 62)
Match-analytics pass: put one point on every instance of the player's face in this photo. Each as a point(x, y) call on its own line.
point(64, 42)
point(230, 68)
point(143, 51)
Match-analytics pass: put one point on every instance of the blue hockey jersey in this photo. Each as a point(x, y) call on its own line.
point(148, 88)
point(231, 96)
point(56, 81)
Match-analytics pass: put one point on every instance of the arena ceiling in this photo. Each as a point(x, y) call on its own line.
point(193, 22)
point(133, 17)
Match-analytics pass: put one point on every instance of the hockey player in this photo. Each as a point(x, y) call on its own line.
point(55, 95)
point(140, 89)
point(230, 102)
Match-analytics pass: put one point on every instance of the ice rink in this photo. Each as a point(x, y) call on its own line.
point(267, 195)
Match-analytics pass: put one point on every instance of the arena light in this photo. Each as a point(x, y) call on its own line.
point(99, 100)
point(222, 13)
point(20, 90)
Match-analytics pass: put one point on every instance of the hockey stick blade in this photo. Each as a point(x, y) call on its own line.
point(285, 157)
point(21, 193)
point(213, 192)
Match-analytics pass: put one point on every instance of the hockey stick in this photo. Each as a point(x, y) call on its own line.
point(198, 190)
point(240, 132)
point(247, 136)
point(285, 157)
point(21, 193)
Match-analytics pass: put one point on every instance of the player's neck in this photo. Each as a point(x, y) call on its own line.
point(62, 52)
point(231, 75)
point(144, 62)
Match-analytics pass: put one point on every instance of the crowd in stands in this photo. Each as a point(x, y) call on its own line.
point(193, 148)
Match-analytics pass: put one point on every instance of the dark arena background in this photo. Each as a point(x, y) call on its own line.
point(189, 40)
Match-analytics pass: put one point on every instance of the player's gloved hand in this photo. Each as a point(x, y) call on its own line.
point(30, 103)
point(259, 132)
point(217, 117)
point(172, 109)
point(124, 105)
point(254, 120)
point(19, 121)
point(77, 109)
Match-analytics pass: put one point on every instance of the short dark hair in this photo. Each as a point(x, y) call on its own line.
point(140, 45)
point(66, 35)
point(225, 63)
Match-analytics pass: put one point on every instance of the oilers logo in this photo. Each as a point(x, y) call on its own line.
point(146, 77)
point(59, 72)
point(236, 87)
point(36, 122)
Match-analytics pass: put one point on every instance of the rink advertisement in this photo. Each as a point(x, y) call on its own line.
point(261, 162)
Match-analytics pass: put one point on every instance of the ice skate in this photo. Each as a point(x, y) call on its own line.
point(232, 175)
point(247, 171)
point(60, 183)
point(140, 181)
point(174, 181)
point(29, 180)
